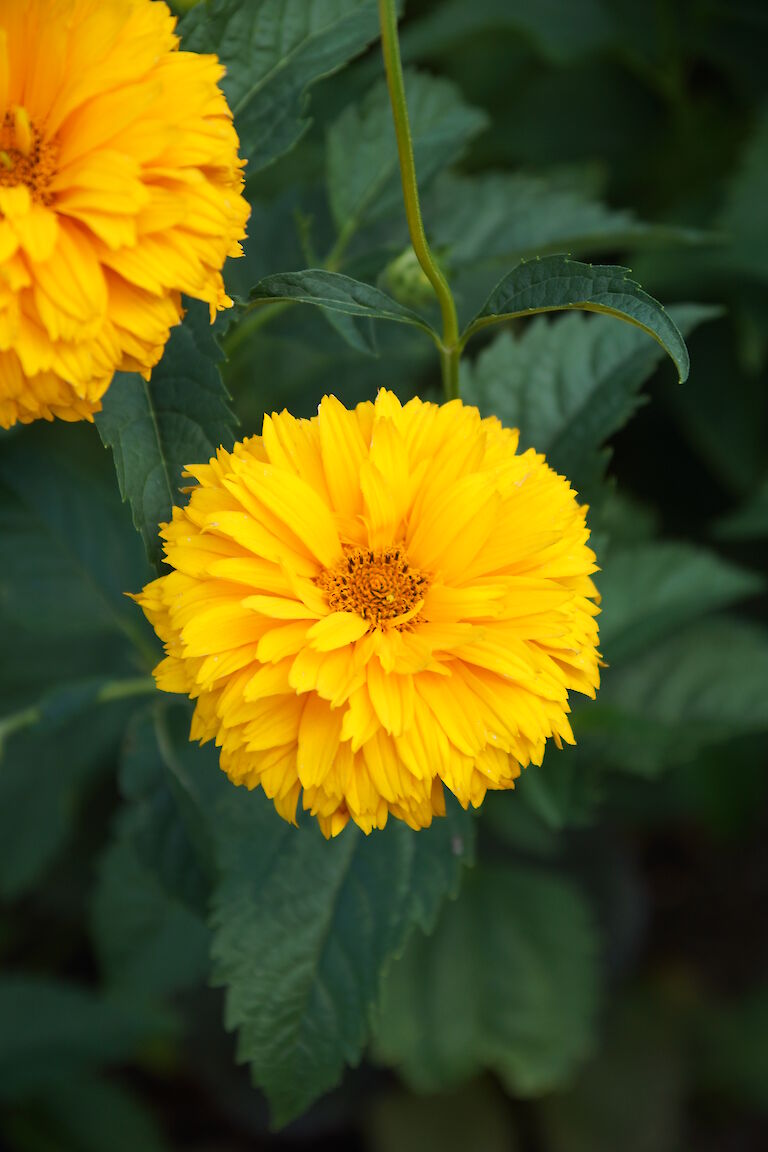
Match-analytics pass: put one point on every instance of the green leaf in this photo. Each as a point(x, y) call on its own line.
point(148, 942)
point(50, 1030)
point(555, 283)
point(518, 827)
point(44, 776)
point(363, 171)
point(274, 51)
point(699, 687)
point(744, 218)
point(304, 929)
point(148, 908)
point(507, 982)
point(76, 1114)
point(337, 293)
point(559, 29)
point(730, 1048)
point(496, 217)
point(156, 427)
point(750, 522)
point(563, 793)
point(568, 385)
point(160, 820)
point(66, 559)
point(652, 589)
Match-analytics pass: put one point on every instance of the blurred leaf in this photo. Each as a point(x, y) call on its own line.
point(304, 929)
point(43, 777)
point(66, 559)
point(559, 28)
point(563, 793)
point(517, 826)
point(362, 164)
point(745, 214)
point(507, 982)
point(147, 942)
point(555, 283)
point(652, 589)
point(49, 1030)
point(497, 216)
point(630, 1097)
point(476, 1117)
point(568, 385)
point(701, 686)
point(750, 522)
point(83, 1114)
point(729, 1049)
point(337, 293)
point(66, 703)
point(148, 908)
point(274, 51)
point(160, 820)
point(156, 427)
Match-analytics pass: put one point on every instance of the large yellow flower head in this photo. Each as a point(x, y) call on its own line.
point(120, 188)
point(375, 603)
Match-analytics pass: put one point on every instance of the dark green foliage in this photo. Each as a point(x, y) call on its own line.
point(274, 50)
point(303, 928)
point(156, 427)
point(337, 293)
point(568, 385)
point(507, 982)
point(580, 965)
point(555, 283)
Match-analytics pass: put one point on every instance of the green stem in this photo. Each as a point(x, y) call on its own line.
point(256, 316)
point(451, 350)
point(107, 692)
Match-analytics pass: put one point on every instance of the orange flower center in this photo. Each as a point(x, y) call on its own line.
point(25, 158)
point(380, 586)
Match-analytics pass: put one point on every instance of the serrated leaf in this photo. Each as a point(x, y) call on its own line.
point(556, 283)
point(701, 686)
point(499, 216)
point(274, 51)
point(652, 589)
point(156, 427)
point(362, 168)
point(568, 385)
point(305, 928)
point(337, 293)
point(507, 982)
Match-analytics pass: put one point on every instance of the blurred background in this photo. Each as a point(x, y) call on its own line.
point(622, 132)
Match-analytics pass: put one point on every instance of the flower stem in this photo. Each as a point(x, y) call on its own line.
point(451, 350)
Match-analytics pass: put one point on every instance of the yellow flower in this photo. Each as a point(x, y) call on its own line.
point(375, 603)
point(120, 188)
